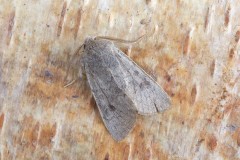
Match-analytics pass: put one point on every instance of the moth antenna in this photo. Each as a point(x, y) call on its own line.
point(120, 40)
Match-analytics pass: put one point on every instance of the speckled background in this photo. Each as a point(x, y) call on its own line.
point(191, 48)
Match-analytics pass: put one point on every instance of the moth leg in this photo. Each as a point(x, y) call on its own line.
point(82, 74)
point(70, 83)
point(82, 71)
point(76, 61)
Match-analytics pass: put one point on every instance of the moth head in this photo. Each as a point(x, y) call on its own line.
point(95, 42)
point(88, 42)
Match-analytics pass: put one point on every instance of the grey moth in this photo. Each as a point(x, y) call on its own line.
point(120, 87)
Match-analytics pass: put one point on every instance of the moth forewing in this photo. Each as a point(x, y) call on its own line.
point(147, 95)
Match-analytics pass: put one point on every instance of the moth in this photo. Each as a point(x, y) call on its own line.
point(119, 86)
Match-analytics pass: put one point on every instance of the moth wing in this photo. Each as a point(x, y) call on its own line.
point(115, 107)
point(147, 95)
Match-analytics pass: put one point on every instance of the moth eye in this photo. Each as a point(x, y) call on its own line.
point(84, 46)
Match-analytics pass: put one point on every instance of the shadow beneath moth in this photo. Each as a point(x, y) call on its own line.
point(119, 86)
